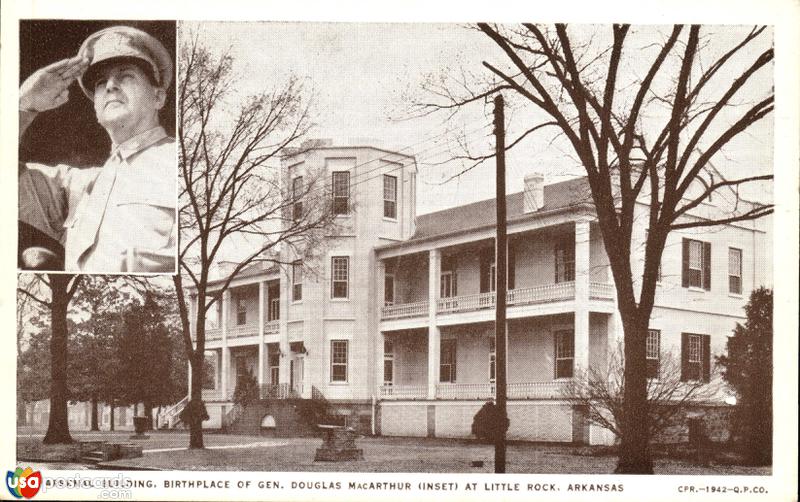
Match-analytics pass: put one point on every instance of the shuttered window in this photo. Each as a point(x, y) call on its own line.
point(696, 264)
point(695, 357)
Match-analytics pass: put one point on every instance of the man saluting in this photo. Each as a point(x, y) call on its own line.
point(119, 217)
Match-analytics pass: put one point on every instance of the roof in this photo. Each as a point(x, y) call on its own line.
point(479, 214)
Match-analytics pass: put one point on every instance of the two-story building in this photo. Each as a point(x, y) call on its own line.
point(393, 324)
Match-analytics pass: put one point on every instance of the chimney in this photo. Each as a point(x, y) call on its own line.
point(534, 192)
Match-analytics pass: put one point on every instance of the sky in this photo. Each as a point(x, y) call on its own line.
point(365, 78)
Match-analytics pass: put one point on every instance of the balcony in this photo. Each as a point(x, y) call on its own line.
point(552, 389)
point(242, 330)
point(213, 334)
point(547, 293)
point(271, 327)
point(404, 310)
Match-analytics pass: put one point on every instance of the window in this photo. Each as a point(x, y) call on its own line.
point(388, 363)
point(389, 196)
point(338, 360)
point(488, 268)
point(341, 192)
point(274, 362)
point(653, 352)
point(565, 353)
point(297, 194)
point(388, 290)
point(297, 281)
point(339, 276)
point(492, 359)
point(735, 270)
point(446, 286)
point(565, 260)
point(696, 264)
point(695, 357)
point(447, 360)
point(274, 310)
point(241, 310)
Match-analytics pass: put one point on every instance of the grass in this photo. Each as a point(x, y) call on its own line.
point(255, 453)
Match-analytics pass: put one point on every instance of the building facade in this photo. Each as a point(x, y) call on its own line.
point(393, 322)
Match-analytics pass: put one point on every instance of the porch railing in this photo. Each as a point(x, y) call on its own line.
point(542, 294)
point(465, 390)
point(250, 329)
point(552, 389)
point(601, 291)
point(402, 310)
point(272, 326)
point(465, 303)
point(213, 334)
point(546, 293)
point(403, 392)
point(169, 418)
point(279, 391)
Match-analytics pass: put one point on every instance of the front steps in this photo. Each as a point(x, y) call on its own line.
point(292, 418)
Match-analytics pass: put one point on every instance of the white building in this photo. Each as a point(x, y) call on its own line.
point(393, 326)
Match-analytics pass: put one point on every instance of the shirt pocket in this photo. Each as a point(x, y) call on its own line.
point(148, 219)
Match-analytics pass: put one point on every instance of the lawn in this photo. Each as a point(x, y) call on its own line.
point(400, 455)
point(167, 450)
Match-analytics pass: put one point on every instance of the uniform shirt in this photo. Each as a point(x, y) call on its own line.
point(101, 214)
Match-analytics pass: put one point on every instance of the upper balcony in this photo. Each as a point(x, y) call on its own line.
point(550, 268)
point(242, 311)
point(564, 291)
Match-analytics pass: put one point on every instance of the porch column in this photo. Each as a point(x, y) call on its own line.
point(379, 342)
point(283, 330)
point(582, 295)
point(434, 335)
point(261, 317)
point(226, 353)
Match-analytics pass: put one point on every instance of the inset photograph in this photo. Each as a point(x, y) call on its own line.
point(97, 157)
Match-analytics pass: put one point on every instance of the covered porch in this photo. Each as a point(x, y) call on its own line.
point(544, 354)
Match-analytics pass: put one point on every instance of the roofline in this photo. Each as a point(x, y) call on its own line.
point(521, 218)
point(346, 147)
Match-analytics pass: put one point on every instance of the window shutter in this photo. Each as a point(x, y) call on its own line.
point(685, 353)
point(706, 358)
point(485, 264)
point(512, 265)
point(707, 266)
point(685, 268)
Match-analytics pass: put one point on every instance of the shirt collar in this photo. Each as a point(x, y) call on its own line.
point(138, 143)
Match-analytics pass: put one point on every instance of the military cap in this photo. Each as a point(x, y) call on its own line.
point(124, 43)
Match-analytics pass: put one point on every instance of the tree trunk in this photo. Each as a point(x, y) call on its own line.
point(196, 402)
point(58, 425)
point(22, 413)
point(634, 450)
point(148, 412)
point(111, 418)
point(94, 404)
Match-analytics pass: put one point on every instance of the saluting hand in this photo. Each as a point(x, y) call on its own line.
point(48, 87)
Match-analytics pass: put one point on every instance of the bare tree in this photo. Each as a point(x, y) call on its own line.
point(600, 391)
point(233, 190)
point(62, 288)
point(644, 113)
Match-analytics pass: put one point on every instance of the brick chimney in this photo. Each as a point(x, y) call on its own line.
point(534, 192)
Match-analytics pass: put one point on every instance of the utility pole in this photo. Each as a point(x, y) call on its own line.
point(500, 287)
